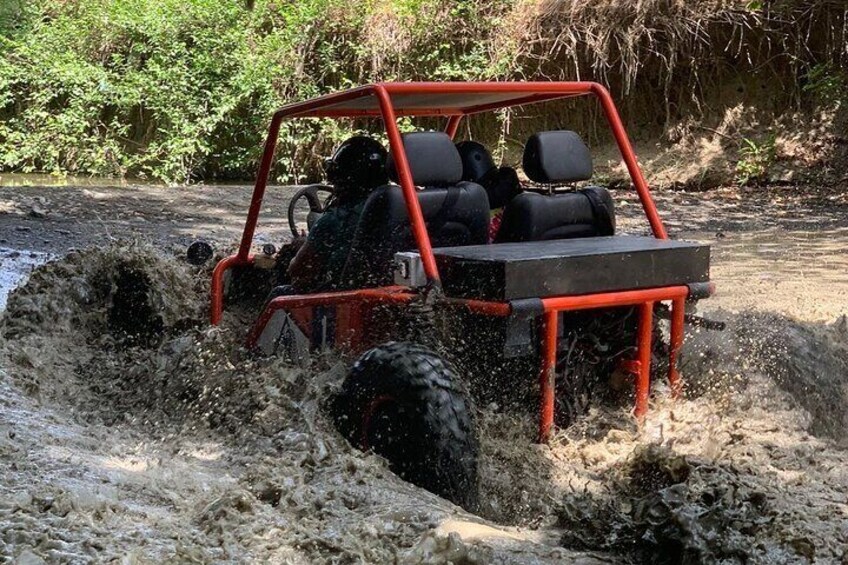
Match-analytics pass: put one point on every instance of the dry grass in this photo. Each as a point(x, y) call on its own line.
point(617, 41)
point(678, 68)
point(698, 75)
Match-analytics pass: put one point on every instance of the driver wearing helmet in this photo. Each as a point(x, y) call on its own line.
point(356, 168)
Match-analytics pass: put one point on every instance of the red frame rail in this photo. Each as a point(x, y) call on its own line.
point(387, 101)
point(552, 306)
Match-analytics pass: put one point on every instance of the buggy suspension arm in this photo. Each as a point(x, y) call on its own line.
point(384, 295)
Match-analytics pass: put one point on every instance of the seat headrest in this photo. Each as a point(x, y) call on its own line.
point(433, 159)
point(557, 156)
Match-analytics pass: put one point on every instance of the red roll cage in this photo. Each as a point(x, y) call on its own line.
point(453, 100)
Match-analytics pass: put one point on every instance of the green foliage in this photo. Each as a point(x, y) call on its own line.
point(827, 82)
point(755, 160)
point(180, 90)
point(12, 14)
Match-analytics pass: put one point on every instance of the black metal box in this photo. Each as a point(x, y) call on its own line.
point(510, 271)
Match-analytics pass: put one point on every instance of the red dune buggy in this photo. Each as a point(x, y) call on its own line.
point(555, 301)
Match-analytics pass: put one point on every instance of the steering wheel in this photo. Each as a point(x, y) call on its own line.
point(317, 206)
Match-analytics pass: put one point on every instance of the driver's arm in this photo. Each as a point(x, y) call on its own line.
point(307, 270)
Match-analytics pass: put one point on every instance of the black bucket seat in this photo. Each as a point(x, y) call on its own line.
point(556, 158)
point(456, 212)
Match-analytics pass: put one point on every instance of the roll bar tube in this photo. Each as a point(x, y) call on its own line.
point(384, 91)
point(413, 207)
point(629, 156)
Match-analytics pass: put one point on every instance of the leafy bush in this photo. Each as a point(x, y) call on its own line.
point(180, 90)
point(827, 82)
point(755, 160)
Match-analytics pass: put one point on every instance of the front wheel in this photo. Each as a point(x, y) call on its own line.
point(405, 403)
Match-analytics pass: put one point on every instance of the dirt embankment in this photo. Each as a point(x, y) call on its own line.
point(712, 92)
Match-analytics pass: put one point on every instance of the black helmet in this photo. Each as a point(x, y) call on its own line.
point(357, 166)
point(477, 162)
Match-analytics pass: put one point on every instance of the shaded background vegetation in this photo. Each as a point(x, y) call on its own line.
point(182, 90)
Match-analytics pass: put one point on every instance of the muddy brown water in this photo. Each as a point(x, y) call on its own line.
point(187, 451)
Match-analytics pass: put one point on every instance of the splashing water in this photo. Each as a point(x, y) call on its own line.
point(137, 430)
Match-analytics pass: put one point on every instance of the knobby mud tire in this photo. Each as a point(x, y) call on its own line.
point(406, 403)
